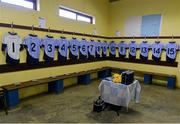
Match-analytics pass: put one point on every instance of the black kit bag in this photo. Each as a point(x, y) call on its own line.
point(99, 105)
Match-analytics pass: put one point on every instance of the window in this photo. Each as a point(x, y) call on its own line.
point(31, 4)
point(75, 15)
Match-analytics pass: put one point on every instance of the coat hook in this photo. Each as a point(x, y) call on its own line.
point(62, 32)
point(33, 29)
point(133, 37)
point(158, 38)
point(172, 37)
point(145, 37)
point(49, 30)
point(12, 27)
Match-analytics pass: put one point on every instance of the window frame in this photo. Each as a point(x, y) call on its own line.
point(77, 14)
point(34, 2)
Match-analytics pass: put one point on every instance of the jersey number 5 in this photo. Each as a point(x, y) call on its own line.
point(171, 51)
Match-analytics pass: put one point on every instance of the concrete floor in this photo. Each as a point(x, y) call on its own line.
point(158, 104)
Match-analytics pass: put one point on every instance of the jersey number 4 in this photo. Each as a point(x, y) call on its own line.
point(158, 51)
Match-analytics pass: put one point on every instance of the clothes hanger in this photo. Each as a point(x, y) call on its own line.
point(73, 35)
point(144, 41)
point(33, 34)
point(157, 40)
point(63, 37)
point(92, 38)
point(12, 30)
point(49, 36)
point(172, 40)
point(84, 35)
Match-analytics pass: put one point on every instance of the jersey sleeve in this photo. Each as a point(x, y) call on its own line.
point(20, 43)
point(177, 46)
point(4, 42)
point(151, 46)
point(68, 43)
point(164, 46)
point(137, 46)
point(25, 41)
point(42, 42)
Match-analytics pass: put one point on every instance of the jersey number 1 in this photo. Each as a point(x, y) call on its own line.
point(13, 45)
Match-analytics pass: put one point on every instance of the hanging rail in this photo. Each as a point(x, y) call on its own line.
point(6, 25)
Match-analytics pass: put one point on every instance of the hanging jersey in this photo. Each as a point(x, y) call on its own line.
point(92, 48)
point(112, 48)
point(132, 48)
point(122, 48)
point(157, 49)
point(171, 50)
point(144, 49)
point(33, 44)
point(98, 47)
point(63, 45)
point(49, 46)
point(84, 47)
point(104, 47)
point(74, 47)
point(11, 45)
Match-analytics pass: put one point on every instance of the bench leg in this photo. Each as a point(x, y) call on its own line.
point(147, 79)
point(56, 86)
point(104, 73)
point(171, 82)
point(12, 98)
point(84, 79)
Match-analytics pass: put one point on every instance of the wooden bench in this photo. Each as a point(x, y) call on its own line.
point(171, 79)
point(3, 100)
point(55, 84)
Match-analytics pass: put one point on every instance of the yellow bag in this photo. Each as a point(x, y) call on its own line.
point(117, 78)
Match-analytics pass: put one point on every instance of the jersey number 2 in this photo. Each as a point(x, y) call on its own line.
point(33, 47)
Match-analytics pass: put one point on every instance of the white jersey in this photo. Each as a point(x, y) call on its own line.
point(132, 48)
point(84, 47)
point(49, 46)
point(105, 47)
point(171, 50)
point(144, 48)
point(98, 47)
point(157, 49)
point(112, 47)
point(74, 46)
point(122, 48)
point(92, 48)
point(11, 44)
point(62, 45)
point(33, 44)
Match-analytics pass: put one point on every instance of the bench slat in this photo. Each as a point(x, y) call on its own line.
point(49, 79)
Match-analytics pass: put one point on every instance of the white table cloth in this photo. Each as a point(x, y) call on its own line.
point(119, 94)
